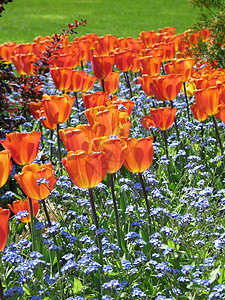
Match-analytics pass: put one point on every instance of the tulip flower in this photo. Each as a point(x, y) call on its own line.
point(6, 51)
point(57, 108)
point(114, 150)
point(208, 102)
point(147, 122)
point(138, 158)
point(4, 227)
point(87, 170)
point(37, 181)
point(62, 78)
point(95, 99)
point(197, 113)
point(102, 67)
point(138, 154)
point(148, 38)
point(21, 205)
point(24, 63)
point(166, 87)
point(123, 60)
point(78, 138)
point(23, 146)
point(37, 110)
point(104, 44)
point(64, 61)
point(163, 117)
point(145, 83)
point(111, 82)
point(151, 65)
point(5, 166)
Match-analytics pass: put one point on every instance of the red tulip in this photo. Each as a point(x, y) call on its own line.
point(208, 100)
point(102, 65)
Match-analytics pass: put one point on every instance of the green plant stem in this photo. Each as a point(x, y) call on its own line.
point(103, 85)
point(59, 150)
point(186, 99)
point(126, 76)
point(1, 290)
point(166, 145)
point(51, 149)
point(217, 134)
point(175, 122)
point(46, 213)
point(32, 223)
point(76, 100)
point(146, 202)
point(115, 211)
point(95, 217)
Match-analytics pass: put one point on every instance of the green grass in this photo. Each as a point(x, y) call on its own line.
point(23, 20)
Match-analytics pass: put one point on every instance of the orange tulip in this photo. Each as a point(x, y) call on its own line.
point(138, 154)
point(113, 148)
point(95, 99)
point(78, 138)
point(147, 122)
point(181, 66)
point(37, 110)
point(221, 90)
point(23, 146)
point(6, 51)
point(148, 38)
point(23, 48)
point(5, 166)
point(77, 79)
point(111, 82)
point(197, 113)
point(88, 83)
point(4, 227)
point(104, 44)
point(163, 117)
point(208, 100)
point(21, 205)
point(37, 181)
point(166, 87)
point(221, 114)
point(65, 61)
point(62, 78)
point(124, 60)
point(123, 105)
point(145, 83)
point(102, 65)
point(57, 108)
point(24, 63)
point(151, 65)
point(86, 170)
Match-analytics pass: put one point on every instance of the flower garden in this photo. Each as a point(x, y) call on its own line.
point(112, 168)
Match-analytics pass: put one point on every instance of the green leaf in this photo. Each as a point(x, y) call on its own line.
point(214, 274)
point(77, 285)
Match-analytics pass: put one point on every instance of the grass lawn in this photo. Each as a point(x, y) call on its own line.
point(23, 20)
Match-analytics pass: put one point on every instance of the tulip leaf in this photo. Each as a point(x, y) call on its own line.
point(77, 285)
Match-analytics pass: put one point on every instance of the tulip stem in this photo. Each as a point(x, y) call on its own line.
point(51, 149)
point(103, 85)
point(146, 201)
point(81, 64)
point(46, 213)
point(186, 99)
point(217, 134)
point(59, 150)
point(126, 76)
point(1, 290)
point(76, 100)
point(95, 217)
point(32, 223)
point(115, 211)
point(175, 122)
point(166, 145)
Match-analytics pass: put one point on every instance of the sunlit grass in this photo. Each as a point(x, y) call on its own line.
point(23, 20)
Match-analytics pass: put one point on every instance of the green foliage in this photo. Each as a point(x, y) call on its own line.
point(211, 16)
